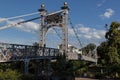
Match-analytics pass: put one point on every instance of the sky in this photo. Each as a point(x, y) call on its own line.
point(87, 16)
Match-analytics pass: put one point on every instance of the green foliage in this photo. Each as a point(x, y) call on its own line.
point(9, 75)
point(114, 31)
point(113, 35)
point(62, 67)
point(89, 47)
point(79, 67)
point(102, 51)
point(109, 51)
point(113, 56)
point(5, 66)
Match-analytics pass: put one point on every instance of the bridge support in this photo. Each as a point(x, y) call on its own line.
point(26, 64)
point(55, 19)
point(48, 69)
point(65, 28)
point(43, 30)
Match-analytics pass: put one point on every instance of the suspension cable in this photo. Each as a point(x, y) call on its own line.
point(14, 24)
point(57, 33)
point(28, 20)
point(80, 44)
point(20, 16)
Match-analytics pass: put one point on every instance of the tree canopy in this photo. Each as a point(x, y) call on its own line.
point(109, 50)
point(89, 47)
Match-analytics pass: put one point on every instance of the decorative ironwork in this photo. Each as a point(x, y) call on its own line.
point(54, 18)
point(14, 52)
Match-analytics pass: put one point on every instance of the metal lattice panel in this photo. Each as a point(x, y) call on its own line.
point(14, 52)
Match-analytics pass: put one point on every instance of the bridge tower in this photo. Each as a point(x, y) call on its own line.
point(55, 19)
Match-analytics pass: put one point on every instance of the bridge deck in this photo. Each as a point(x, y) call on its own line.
point(75, 56)
point(15, 52)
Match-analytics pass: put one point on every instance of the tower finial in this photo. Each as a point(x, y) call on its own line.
point(42, 6)
point(65, 4)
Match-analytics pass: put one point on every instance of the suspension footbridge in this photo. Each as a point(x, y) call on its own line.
point(17, 52)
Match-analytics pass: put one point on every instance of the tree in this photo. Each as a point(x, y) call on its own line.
point(102, 51)
point(113, 38)
point(109, 51)
point(89, 47)
point(113, 56)
point(63, 68)
point(113, 35)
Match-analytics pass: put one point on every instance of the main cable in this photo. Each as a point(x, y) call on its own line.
point(28, 20)
point(80, 44)
point(20, 16)
point(15, 24)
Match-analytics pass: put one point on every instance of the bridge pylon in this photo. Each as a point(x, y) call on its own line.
point(26, 65)
point(55, 19)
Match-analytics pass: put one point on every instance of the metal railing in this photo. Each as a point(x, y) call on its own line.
point(15, 52)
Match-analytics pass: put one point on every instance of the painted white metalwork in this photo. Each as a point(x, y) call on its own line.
point(15, 52)
point(49, 20)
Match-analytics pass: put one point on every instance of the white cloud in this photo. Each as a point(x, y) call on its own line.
point(70, 31)
point(87, 35)
point(108, 13)
point(31, 27)
point(2, 19)
point(84, 29)
point(27, 27)
point(88, 32)
point(100, 4)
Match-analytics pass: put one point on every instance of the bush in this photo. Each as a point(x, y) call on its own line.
point(10, 75)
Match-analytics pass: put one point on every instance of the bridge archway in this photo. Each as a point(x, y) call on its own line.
point(56, 19)
point(53, 37)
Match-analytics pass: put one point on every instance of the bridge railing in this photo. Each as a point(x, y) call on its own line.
point(11, 52)
point(14, 52)
point(76, 55)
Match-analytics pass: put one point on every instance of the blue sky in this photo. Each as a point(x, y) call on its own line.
point(88, 18)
